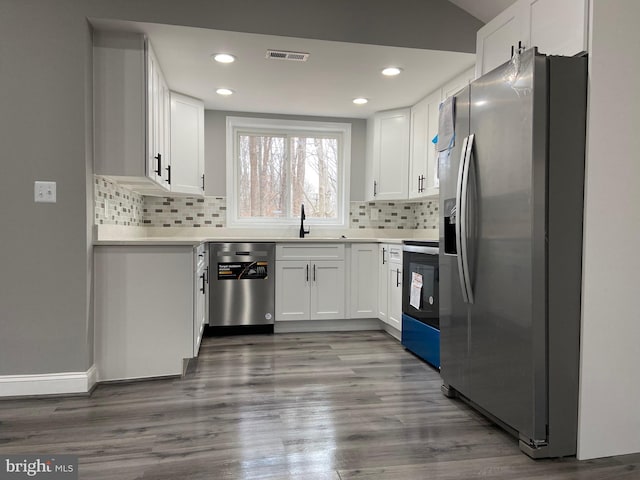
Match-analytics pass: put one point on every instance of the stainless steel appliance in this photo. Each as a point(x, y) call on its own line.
point(242, 284)
point(420, 312)
point(511, 202)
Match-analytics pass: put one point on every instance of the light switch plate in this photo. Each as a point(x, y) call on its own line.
point(45, 192)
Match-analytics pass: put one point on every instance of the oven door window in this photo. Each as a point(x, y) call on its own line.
point(428, 308)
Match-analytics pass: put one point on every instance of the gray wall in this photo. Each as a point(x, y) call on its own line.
point(432, 24)
point(45, 133)
point(215, 129)
point(45, 125)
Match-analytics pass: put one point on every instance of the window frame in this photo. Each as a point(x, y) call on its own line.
point(278, 127)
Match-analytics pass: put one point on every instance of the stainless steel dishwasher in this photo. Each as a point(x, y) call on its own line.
point(242, 284)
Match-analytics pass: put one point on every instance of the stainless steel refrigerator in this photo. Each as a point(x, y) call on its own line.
point(511, 202)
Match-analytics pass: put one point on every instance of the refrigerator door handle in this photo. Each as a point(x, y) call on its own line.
point(459, 211)
point(463, 220)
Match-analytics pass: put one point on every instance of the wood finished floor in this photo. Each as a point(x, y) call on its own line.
point(289, 406)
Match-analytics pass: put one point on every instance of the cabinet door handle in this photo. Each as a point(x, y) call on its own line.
point(375, 188)
point(202, 289)
point(384, 250)
point(159, 159)
point(206, 271)
point(397, 277)
point(314, 272)
point(168, 169)
point(307, 272)
point(203, 182)
point(511, 52)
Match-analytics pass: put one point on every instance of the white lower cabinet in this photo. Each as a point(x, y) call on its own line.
point(363, 280)
point(390, 285)
point(201, 295)
point(310, 282)
point(383, 281)
point(309, 290)
point(327, 289)
point(394, 315)
point(146, 310)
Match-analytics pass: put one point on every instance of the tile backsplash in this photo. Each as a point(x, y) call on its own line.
point(116, 205)
point(125, 207)
point(185, 212)
point(401, 215)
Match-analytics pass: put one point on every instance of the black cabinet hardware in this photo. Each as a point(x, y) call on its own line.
point(159, 164)
point(397, 277)
point(307, 272)
point(384, 250)
point(168, 169)
point(375, 188)
point(314, 272)
point(202, 289)
point(203, 182)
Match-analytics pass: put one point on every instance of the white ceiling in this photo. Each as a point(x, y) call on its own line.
point(325, 85)
point(484, 10)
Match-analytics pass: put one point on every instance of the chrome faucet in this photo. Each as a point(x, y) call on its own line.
point(302, 217)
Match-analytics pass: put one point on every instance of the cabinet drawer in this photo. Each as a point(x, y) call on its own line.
point(310, 251)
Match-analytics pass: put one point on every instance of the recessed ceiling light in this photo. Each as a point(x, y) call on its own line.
point(391, 71)
point(224, 91)
point(223, 58)
point(360, 101)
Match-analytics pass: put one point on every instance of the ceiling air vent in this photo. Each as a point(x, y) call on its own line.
point(286, 55)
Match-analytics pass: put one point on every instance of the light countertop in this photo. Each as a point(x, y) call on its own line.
point(146, 236)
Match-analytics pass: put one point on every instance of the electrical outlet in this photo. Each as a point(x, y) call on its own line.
point(373, 214)
point(45, 192)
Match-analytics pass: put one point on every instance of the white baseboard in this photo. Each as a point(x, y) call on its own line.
point(394, 332)
point(48, 384)
point(354, 324)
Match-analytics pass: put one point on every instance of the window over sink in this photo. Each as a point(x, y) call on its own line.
point(274, 166)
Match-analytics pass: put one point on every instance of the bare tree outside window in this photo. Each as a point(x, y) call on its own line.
point(277, 173)
point(262, 176)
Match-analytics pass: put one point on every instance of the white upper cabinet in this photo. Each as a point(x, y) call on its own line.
point(423, 171)
point(556, 27)
point(458, 83)
point(131, 112)
point(390, 154)
point(497, 40)
point(423, 157)
point(187, 145)
point(158, 128)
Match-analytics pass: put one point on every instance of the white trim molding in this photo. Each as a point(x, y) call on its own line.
point(48, 383)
